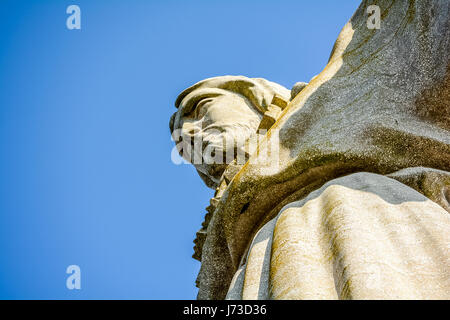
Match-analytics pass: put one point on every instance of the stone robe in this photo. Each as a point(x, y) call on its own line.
point(362, 236)
point(355, 203)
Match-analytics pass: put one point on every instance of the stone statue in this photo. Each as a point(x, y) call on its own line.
point(354, 203)
point(215, 110)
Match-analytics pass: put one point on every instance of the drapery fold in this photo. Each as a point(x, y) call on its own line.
point(362, 236)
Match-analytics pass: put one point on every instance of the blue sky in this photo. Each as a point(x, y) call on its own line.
point(86, 174)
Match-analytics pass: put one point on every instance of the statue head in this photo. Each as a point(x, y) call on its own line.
point(215, 119)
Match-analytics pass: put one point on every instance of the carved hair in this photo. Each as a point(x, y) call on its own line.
point(259, 92)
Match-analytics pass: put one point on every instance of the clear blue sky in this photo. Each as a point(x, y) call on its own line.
point(85, 170)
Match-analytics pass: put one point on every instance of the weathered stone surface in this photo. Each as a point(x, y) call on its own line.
point(289, 228)
point(362, 236)
point(299, 86)
point(269, 117)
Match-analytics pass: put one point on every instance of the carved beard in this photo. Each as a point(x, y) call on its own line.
point(226, 146)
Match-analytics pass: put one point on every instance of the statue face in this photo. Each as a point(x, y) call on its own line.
point(215, 131)
point(217, 120)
